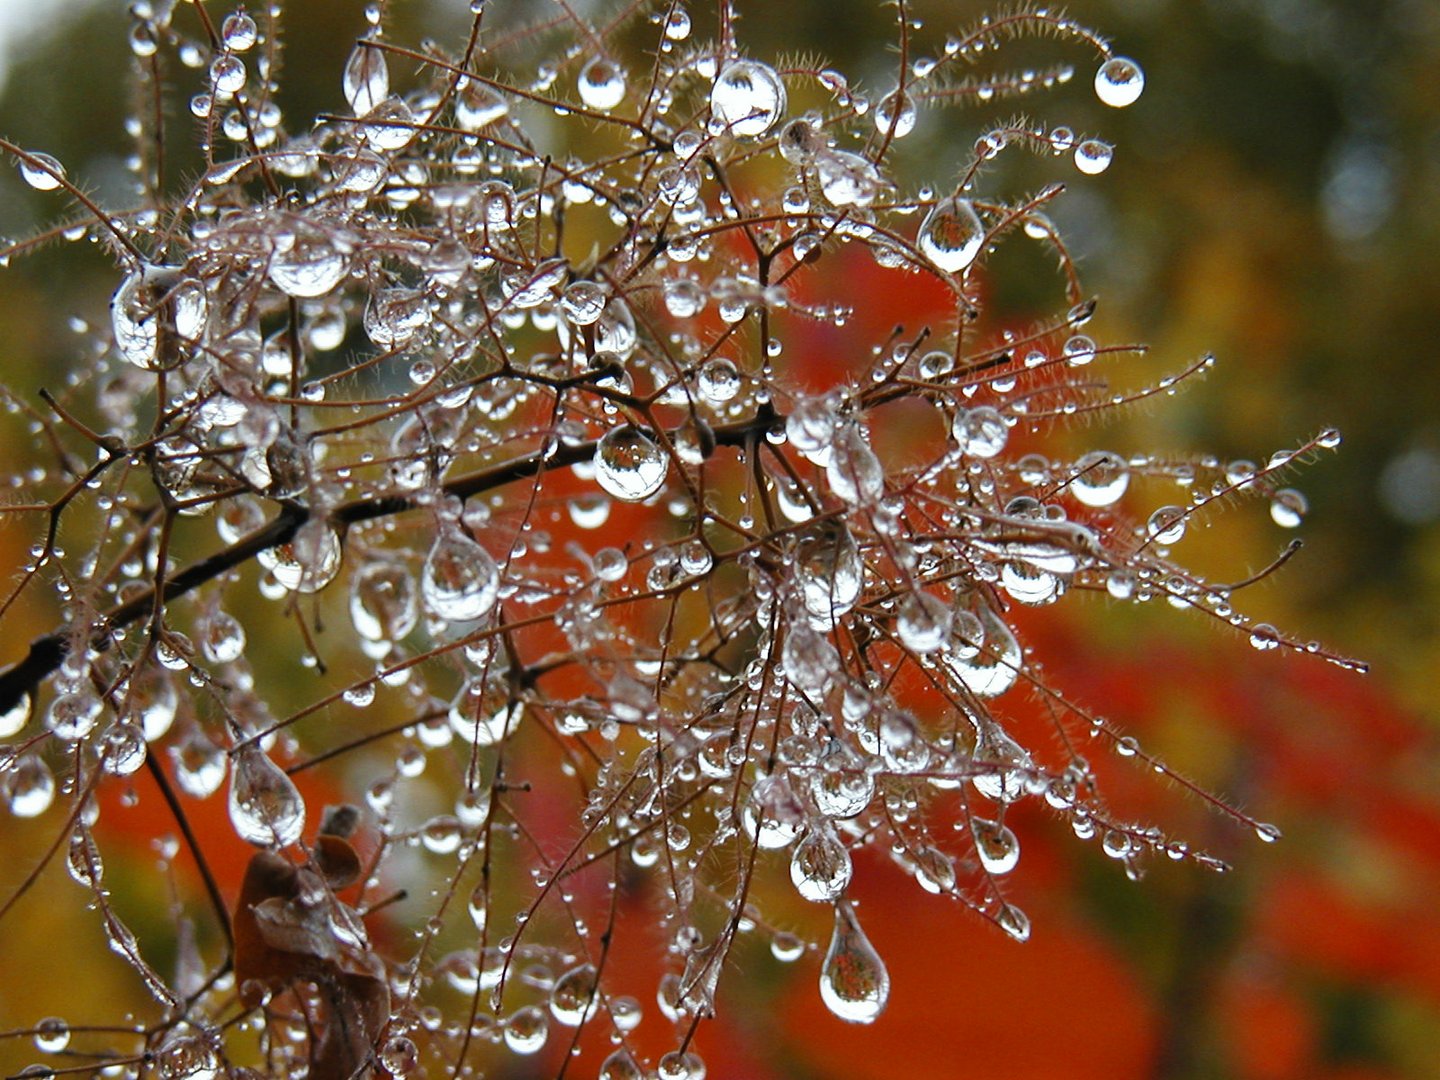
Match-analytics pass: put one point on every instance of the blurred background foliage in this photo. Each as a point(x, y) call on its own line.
point(1272, 200)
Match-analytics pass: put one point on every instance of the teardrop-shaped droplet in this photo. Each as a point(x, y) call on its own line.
point(366, 79)
point(853, 981)
point(629, 464)
point(384, 603)
point(135, 321)
point(460, 580)
point(1002, 766)
point(265, 806)
point(831, 574)
point(820, 865)
point(31, 786)
point(996, 844)
point(199, 765)
point(747, 98)
point(1119, 82)
point(951, 235)
point(854, 473)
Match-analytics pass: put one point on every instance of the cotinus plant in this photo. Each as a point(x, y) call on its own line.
point(498, 459)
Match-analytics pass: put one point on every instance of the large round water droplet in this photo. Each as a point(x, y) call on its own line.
point(923, 623)
point(853, 981)
point(1092, 156)
point(306, 263)
point(265, 806)
point(951, 235)
point(460, 580)
point(629, 464)
point(41, 171)
point(602, 84)
point(526, 1030)
point(1100, 478)
point(980, 432)
point(1119, 82)
point(747, 98)
point(575, 996)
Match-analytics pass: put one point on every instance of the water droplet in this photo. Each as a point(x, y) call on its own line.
point(951, 235)
point(575, 996)
point(831, 574)
point(366, 79)
point(238, 32)
point(526, 1030)
point(980, 432)
point(1264, 637)
point(1288, 508)
point(265, 806)
point(384, 603)
point(820, 865)
point(199, 765)
point(227, 74)
point(399, 1056)
point(306, 263)
point(1119, 82)
point(52, 1035)
point(719, 380)
point(72, 716)
point(629, 464)
point(135, 321)
point(902, 118)
point(620, 1065)
point(395, 316)
point(853, 981)
point(16, 717)
point(996, 844)
point(1267, 832)
point(122, 749)
point(923, 623)
point(602, 84)
point(1004, 765)
point(582, 302)
point(1166, 525)
point(1014, 922)
point(459, 581)
point(31, 787)
point(41, 171)
point(747, 98)
point(990, 670)
point(1093, 157)
point(1101, 477)
point(772, 814)
point(854, 473)
point(842, 793)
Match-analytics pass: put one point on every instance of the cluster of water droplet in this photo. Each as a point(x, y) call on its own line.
point(532, 417)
